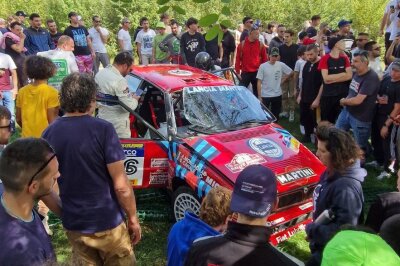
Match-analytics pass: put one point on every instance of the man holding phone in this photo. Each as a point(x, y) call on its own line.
point(113, 85)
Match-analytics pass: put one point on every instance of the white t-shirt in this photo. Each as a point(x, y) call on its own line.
point(387, 11)
point(8, 64)
point(124, 36)
point(376, 66)
point(65, 62)
point(146, 41)
point(98, 44)
point(271, 77)
point(393, 17)
point(261, 38)
point(299, 68)
point(269, 36)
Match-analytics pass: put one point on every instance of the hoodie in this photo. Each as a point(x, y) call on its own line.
point(275, 42)
point(342, 193)
point(182, 235)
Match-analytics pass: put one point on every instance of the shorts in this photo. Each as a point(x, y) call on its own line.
point(85, 63)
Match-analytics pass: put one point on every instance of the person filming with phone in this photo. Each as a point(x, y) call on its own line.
point(113, 85)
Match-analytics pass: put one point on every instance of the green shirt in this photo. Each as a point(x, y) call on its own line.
point(160, 55)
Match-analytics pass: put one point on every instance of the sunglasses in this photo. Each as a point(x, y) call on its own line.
point(97, 21)
point(250, 21)
point(377, 48)
point(9, 127)
point(41, 168)
point(360, 40)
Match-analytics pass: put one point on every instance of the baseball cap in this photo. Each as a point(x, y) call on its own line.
point(333, 41)
point(72, 14)
point(160, 25)
point(254, 191)
point(21, 13)
point(344, 22)
point(396, 65)
point(274, 51)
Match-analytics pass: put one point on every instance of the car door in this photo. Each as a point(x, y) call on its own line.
point(146, 162)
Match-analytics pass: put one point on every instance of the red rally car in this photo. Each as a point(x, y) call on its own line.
point(194, 130)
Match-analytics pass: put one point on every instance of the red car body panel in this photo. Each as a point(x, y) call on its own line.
point(206, 161)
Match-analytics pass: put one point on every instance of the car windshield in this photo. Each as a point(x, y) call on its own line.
point(222, 107)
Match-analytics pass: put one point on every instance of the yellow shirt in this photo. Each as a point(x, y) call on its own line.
point(34, 102)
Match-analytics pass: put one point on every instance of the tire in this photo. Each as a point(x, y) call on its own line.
point(184, 199)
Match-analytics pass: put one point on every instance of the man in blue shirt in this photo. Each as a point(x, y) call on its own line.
point(37, 38)
point(29, 171)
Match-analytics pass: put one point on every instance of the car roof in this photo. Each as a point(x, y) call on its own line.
point(171, 78)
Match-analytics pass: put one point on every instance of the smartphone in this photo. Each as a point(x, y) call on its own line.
point(138, 92)
point(392, 9)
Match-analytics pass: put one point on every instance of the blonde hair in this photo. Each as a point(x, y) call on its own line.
point(63, 40)
point(215, 207)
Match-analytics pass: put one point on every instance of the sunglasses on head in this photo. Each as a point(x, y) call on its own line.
point(41, 168)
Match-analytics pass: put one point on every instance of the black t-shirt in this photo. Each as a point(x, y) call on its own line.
point(289, 54)
point(191, 45)
point(17, 57)
point(228, 46)
point(212, 48)
point(367, 84)
point(335, 66)
point(312, 81)
point(311, 32)
point(55, 37)
point(78, 34)
point(392, 91)
point(385, 206)
point(244, 34)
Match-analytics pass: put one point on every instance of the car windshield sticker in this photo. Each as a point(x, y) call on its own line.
point(266, 147)
point(242, 160)
point(295, 175)
point(134, 162)
point(288, 140)
point(178, 72)
point(201, 89)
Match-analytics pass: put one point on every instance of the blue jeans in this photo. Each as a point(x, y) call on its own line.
point(8, 102)
point(361, 130)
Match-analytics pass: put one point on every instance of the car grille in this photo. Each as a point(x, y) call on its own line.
point(295, 197)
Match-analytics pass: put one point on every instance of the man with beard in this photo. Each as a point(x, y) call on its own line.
point(29, 170)
point(171, 44)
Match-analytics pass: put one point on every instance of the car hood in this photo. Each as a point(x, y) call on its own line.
point(270, 145)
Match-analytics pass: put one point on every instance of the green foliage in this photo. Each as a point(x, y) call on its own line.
point(208, 20)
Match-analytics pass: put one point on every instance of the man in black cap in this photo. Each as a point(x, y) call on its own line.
point(21, 15)
point(336, 73)
point(245, 241)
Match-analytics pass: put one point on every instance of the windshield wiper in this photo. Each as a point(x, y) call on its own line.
point(251, 121)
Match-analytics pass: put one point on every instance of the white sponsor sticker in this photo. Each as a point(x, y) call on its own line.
point(305, 206)
point(295, 175)
point(159, 162)
point(266, 147)
point(158, 178)
point(242, 160)
point(134, 169)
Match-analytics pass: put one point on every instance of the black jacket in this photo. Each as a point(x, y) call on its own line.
point(342, 193)
point(385, 206)
point(242, 245)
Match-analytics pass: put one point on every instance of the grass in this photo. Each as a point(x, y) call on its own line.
point(155, 213)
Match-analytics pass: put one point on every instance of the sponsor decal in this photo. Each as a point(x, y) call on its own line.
point(134, 162)
point(266, 147)
point(178, 72)
point(295, 175)
point(242, 160)
point(208, 89)
point(159, 162)
point(290, 233)
point(277, 221)
point(305, 206)
point(288, 140)
point(158, 178)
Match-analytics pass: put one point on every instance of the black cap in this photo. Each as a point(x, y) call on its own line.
point(254, 192)
point(21, 13)
point(72, 14)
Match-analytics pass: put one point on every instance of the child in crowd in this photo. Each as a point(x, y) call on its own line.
point(37, 103)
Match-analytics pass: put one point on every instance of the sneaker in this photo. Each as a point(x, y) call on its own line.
point(283, 114)
point(45, 222)
point(391, 167)
point(383, 175)
point(291, 116)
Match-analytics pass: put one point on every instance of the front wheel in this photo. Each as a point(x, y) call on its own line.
point(184, 199)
